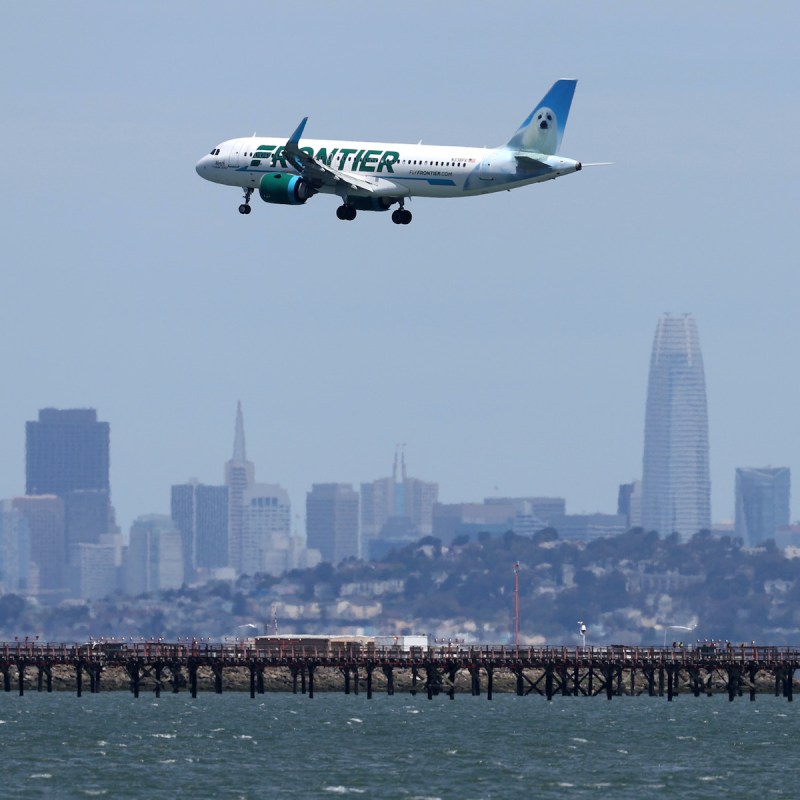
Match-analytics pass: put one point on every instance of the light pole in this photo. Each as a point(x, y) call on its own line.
point(582, 629)
point(516, 606)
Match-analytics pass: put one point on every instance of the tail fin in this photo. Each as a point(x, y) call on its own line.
point(543, 128)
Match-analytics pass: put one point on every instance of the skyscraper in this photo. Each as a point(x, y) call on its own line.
point(396, 503)
point(154, 559)
point(15, 549)
point(45, 518)
point(762, 502)
point(332, 521)
point(200, 512)
point(66, 451)
point(67, 454)
point(676, 487)
point(266, 544)
point(239, 474)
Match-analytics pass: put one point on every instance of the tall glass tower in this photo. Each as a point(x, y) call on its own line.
point(676, 487)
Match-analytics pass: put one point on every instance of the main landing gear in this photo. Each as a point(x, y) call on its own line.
point(401, 216)
point(244, 208)
point(346, 211)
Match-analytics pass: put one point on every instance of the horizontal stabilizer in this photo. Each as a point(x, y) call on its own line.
point(531, 163)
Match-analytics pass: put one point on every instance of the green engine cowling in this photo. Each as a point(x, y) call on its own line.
point(285, 188)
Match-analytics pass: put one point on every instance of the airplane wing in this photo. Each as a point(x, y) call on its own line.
point(317, 172)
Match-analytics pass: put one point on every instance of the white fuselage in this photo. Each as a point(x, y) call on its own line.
point(392, 170)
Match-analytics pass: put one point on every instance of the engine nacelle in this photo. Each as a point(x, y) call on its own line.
point(285, 188)
point(371, 203)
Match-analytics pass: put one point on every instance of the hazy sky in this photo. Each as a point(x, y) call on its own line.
point(505, 339)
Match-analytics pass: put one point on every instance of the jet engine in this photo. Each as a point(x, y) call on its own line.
point(285, 188)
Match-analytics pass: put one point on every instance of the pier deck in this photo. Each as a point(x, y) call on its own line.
point(546, 671)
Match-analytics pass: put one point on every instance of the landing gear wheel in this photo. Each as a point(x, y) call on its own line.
point(244, 208)
point(401, 216)
point(346, 211)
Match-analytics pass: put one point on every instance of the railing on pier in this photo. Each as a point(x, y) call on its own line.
point(111, 651)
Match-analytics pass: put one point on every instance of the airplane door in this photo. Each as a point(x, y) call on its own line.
point(484, 171)
point(234, 153)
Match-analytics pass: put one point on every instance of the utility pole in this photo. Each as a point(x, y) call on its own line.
point(516, 607)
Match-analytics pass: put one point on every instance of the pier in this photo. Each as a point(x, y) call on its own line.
point(608, 672)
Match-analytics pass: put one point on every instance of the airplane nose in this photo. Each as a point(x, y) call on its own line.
point(200, 167)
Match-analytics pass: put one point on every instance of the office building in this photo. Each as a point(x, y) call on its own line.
point(496, 516)
point(45, 517)
point(332, 521)
point(154, 558)
point(267, 544)
point(95, 570)
point(200, 512)
point(762, 503)
point(15, 550)
point(66, 451)
point(456, 520)
point(399, 503)
point(676, 486)
point(585, 527)
point(67, 455)
point(629, 503)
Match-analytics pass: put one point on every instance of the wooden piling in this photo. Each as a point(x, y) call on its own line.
point(388, 671)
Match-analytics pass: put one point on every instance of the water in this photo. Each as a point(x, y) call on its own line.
point(287, 746)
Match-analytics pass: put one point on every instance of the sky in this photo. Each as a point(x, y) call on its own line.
point(504, 339)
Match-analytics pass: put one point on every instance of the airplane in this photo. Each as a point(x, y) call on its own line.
point(374, 176)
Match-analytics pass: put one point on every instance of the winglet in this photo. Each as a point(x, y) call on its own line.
point(295, 137)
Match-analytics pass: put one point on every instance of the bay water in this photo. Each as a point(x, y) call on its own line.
point(407, 747)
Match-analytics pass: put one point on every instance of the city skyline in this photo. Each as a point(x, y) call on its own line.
point(58, 547)
point(504, 338)
point(675, 347)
